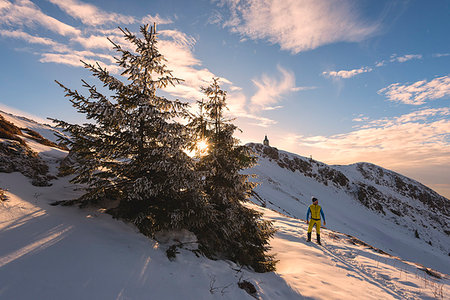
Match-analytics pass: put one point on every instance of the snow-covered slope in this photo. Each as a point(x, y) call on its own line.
point(45, 130)
point(53, 252)
point(29, 148)
point(57, 252)
point(383, 208)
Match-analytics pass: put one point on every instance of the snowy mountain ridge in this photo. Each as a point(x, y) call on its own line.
point(416, 214)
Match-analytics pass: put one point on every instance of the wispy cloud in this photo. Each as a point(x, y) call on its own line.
point(406, 57)
point(272, 107)
point(75, 57)
point(298, 25)
point(418, 138)
point(441, 54)
point(418, 92)
point(347, 73)
point(380, 63)
point(238, 107)
point(360, 118)
point(26, 13)
point(177, 47)
point(271, 89)
point(416, 144)
point(93, 42)
point(96, 25)
point(17, 34)
point(91, 15)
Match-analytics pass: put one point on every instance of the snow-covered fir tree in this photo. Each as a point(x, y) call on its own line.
point(132, 158)
point(132, 152)
point(238, 232)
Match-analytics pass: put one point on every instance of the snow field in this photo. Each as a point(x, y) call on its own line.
point(49, 252)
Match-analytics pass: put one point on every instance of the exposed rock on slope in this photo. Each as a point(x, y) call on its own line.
point(16, 154)
point(16, 157)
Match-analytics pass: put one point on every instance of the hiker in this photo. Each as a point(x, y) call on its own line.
point(316, 211)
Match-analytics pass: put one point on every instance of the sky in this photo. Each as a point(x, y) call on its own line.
point(339, 80)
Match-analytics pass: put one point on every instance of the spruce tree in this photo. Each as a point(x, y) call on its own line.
point(131, 158)
point(238, 233)
point(131, 155)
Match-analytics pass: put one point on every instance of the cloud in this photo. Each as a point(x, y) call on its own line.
point(17, 34)
point(63, 54)
point(149, 19)
point(380, 63)
point(179, 37)
point(347, 74)
point(441, 54)
point(298, 25)
point(360, 118)
point(415, 139)
point(402, 59)
point(74, 59)
point(215, 18)
point(272, 107)
point(416, 144)
point(271, 90)
point(351, 73)
point(26, 13)
point(91, 15)
point(93, 42)
point(238, 107)
point(177, 48)
point(419, 92)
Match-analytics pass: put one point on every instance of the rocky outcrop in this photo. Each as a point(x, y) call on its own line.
point(404, 186)
point(309, 167)
point(16, 157)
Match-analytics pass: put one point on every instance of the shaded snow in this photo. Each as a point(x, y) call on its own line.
point(66, 253)
point(51, 252)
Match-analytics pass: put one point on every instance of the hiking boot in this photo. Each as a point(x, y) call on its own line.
point(318, 239)
point(309, 237)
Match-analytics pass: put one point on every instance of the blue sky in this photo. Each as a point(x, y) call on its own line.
point(343, 81)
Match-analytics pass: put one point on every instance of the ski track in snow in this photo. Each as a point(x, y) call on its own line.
point(387, 277)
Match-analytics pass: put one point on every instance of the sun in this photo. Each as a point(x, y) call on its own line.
point(202, 147)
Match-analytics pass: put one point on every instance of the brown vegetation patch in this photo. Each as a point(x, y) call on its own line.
point(10, 131)
point(42, 140)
